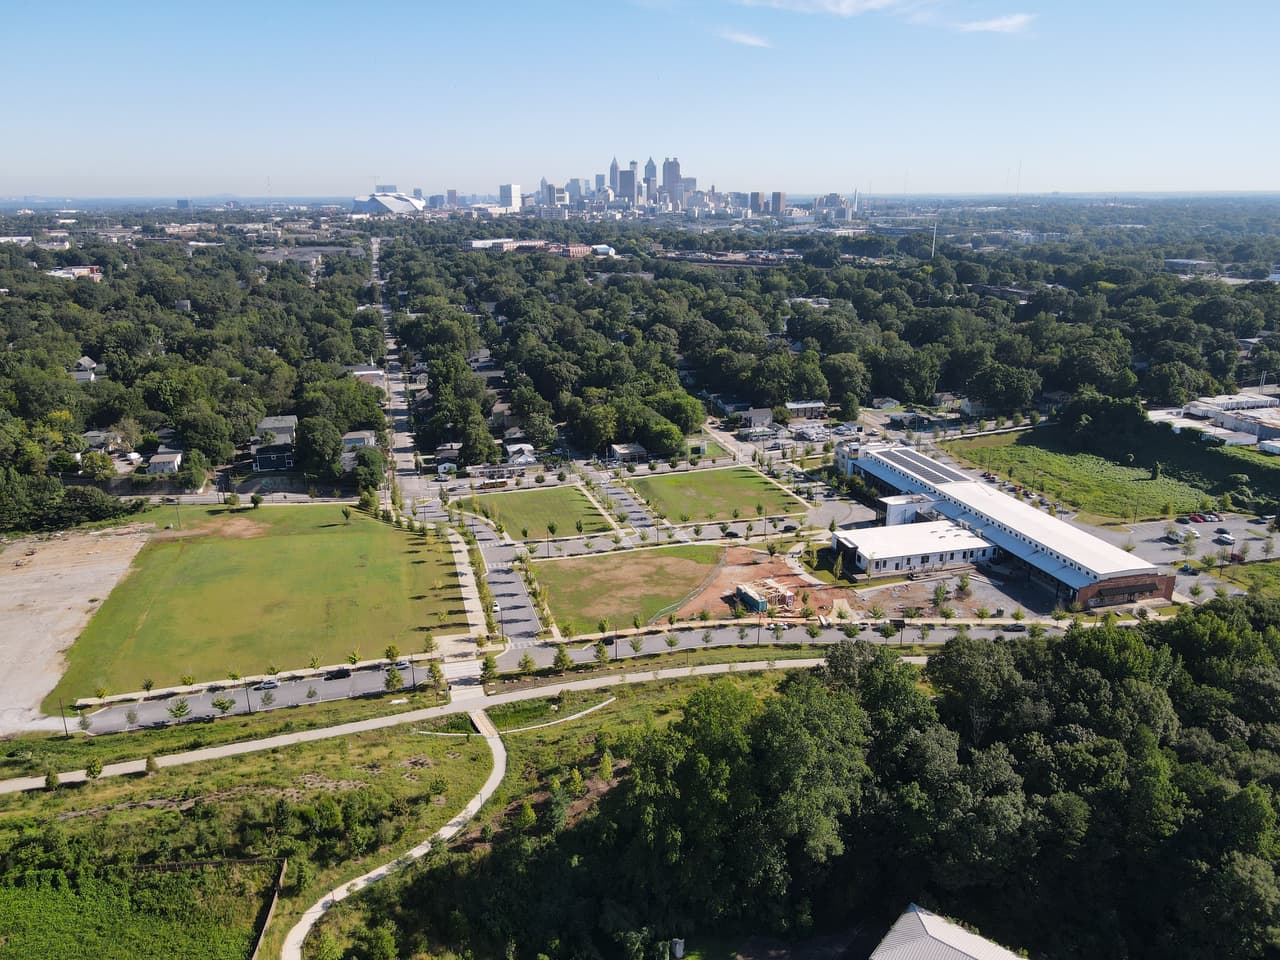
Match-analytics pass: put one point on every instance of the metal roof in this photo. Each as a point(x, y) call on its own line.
point(1065, 552)
point(921, 935)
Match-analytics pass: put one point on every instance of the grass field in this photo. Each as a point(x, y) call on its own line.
point(715, 494)
point(1262, 578)
point(620, 586)
point(532, 510)
point(1090, 483)
point(278, 585)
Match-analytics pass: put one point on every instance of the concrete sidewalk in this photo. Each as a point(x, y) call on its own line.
point(294, 939)
point(133, 767)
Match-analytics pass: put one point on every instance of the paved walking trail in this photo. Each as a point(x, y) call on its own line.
point(466, 699)
point(292, 949)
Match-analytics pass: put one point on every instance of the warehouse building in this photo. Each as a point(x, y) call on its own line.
point(1076, 565)
point(912, 547)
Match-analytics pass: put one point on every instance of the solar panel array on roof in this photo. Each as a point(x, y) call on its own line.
point(922, 466)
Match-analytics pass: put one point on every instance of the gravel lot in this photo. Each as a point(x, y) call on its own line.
point(49, 587)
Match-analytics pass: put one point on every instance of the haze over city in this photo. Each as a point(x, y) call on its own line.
point(889, 96)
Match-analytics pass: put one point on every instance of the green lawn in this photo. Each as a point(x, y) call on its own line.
point(620, 586)
point(1262, 578)
point(532, 510)
point(1088, 482)
point(711, 449)
point(278, 585)
point(715, 494)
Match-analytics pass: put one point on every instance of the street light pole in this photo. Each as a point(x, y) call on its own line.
point(248, 705)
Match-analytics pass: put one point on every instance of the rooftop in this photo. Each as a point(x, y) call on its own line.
point(901, 540)
point(921, 935)
point(1062, 550)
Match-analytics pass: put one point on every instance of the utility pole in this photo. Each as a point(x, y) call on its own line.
point(63, 710)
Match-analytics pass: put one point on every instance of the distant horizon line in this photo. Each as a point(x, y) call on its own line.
point(172, 199)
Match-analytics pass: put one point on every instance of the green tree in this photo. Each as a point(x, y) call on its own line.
point(180, 709)
point(223, 705)
point(489, 668)
point(318, 447)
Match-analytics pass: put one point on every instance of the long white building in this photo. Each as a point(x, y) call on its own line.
point(1078, 566)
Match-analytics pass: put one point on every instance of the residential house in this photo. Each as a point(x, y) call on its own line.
point(359, 438)
point(448, 452)
point(521, 455)
point(282, 429)
point(757, 417)
point(269, 457)
point(165, 463)
point(274, 447)
point(884, 403)
point(86, 370)
point(103, 441)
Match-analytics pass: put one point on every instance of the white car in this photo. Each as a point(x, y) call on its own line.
point(268, 685)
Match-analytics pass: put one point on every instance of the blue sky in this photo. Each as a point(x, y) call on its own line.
point(173, 99)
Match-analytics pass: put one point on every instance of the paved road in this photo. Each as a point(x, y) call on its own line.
point(465, 699)
point(293, 941)
point(249, 699)
point(698, 637)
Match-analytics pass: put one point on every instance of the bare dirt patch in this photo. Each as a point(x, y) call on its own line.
point(744, 565)
point(49, 588)
point(229, 528)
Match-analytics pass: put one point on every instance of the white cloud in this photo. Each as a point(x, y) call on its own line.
point(1011, 23)
point(836, 8)
point(743, 39)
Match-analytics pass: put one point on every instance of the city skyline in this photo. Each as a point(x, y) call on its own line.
point(801, 96)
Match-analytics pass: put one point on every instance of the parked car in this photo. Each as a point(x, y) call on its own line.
point(1212, 518)
point(1184, 519)
point(1015, 628)
point(1222, 530)
point(342, 673)
point(789, 528)
point(1188, 568)
point(1195, 533)
point(267, 685)
point(1226, 538)
point(398, 665)
point(1196, 518)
